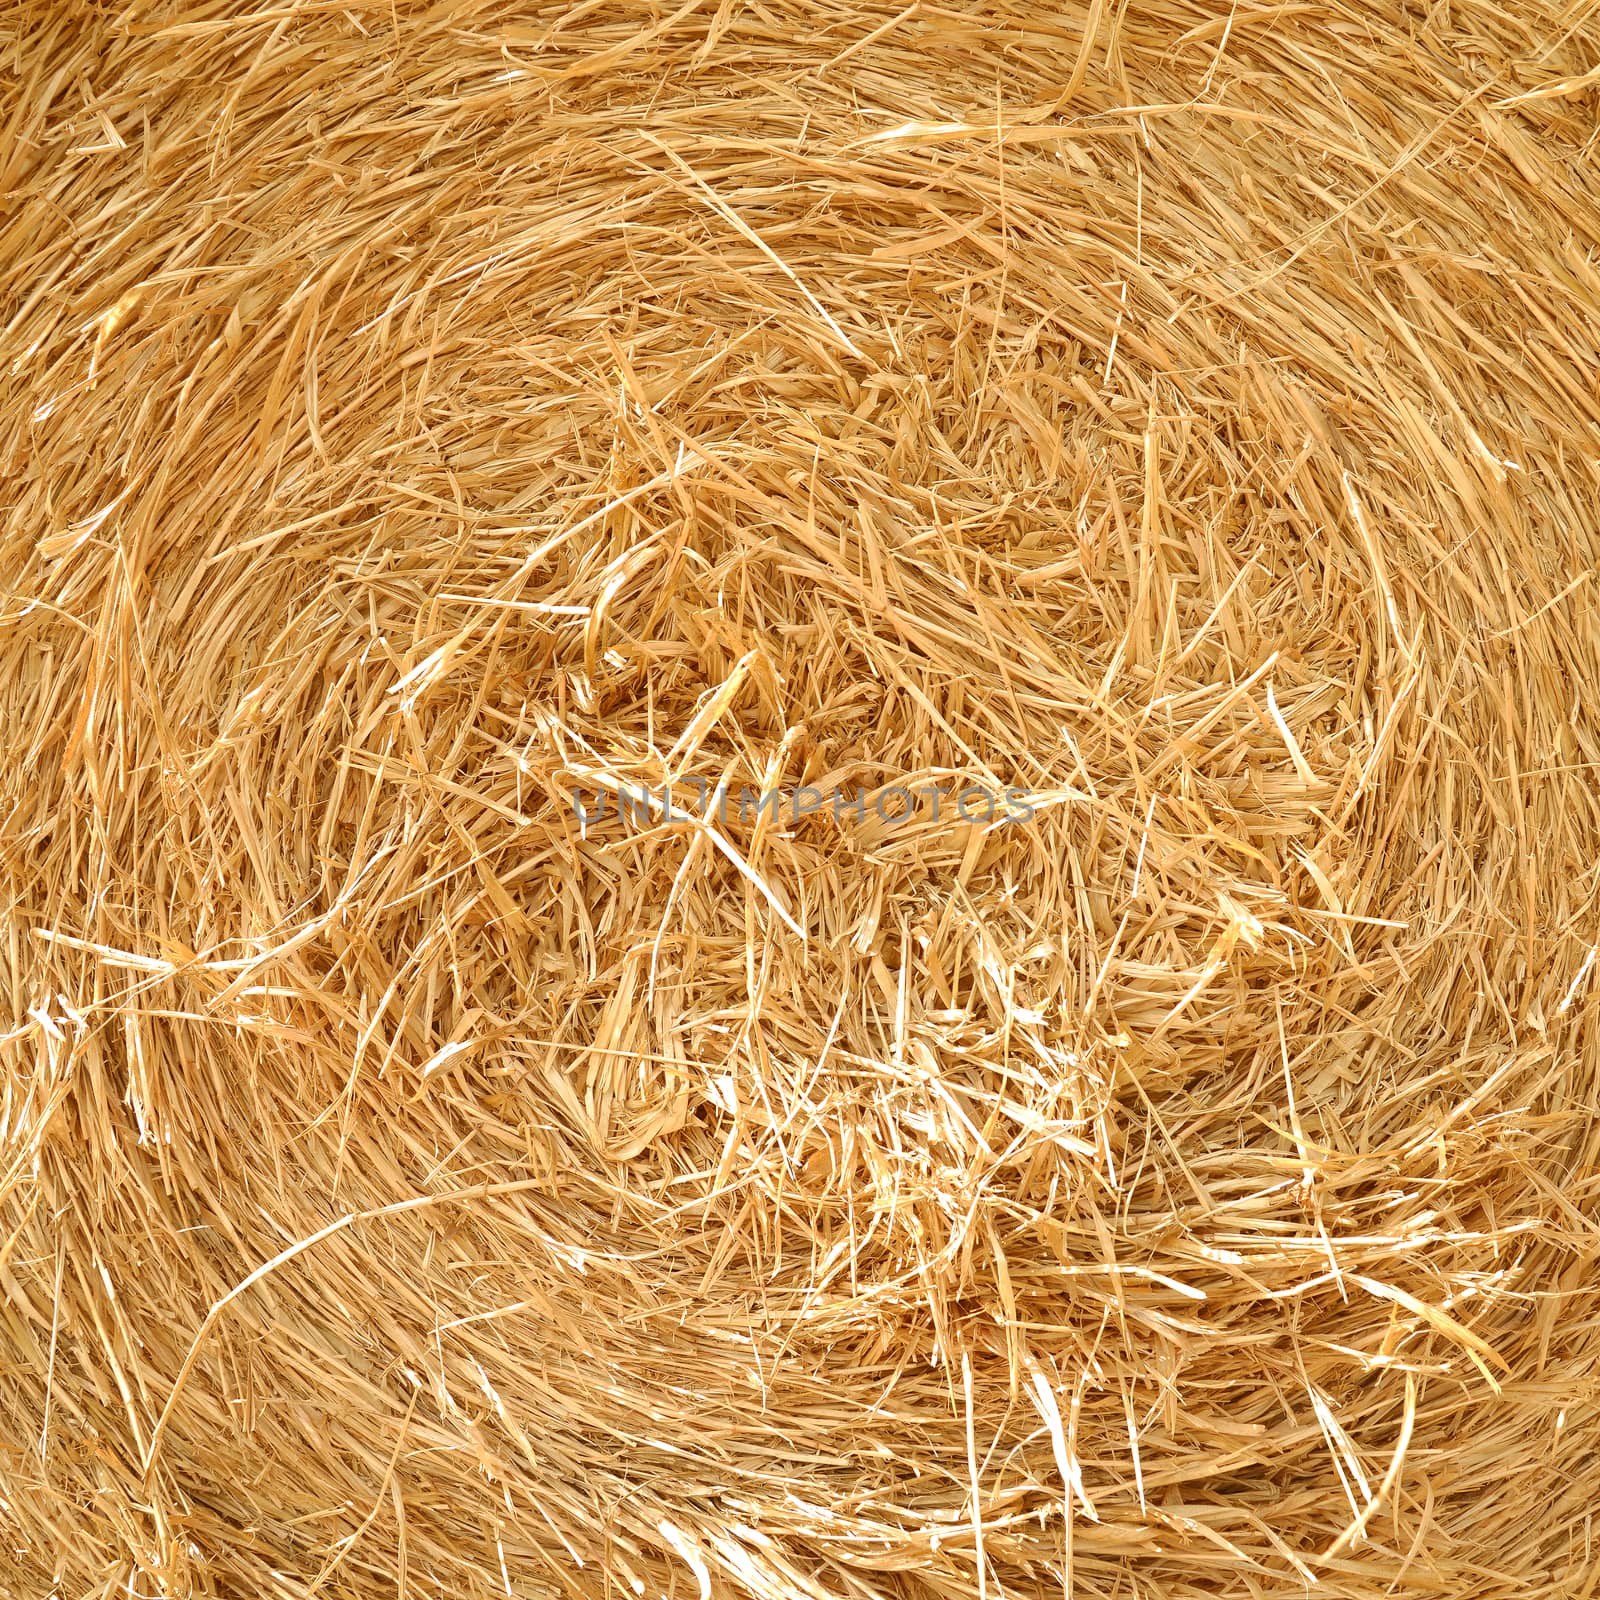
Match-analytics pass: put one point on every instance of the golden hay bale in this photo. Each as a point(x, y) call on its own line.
point(1181, 1181)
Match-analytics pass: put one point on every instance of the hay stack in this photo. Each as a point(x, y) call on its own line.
point(1183, 414)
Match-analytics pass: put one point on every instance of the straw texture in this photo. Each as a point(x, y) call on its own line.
point(416, 1184)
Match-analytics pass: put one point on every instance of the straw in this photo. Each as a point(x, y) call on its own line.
point(454, 1146)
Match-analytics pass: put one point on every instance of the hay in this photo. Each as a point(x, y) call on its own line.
point(1182, 415)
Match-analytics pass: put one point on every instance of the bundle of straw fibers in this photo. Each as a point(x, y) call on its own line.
point(433, 1168)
